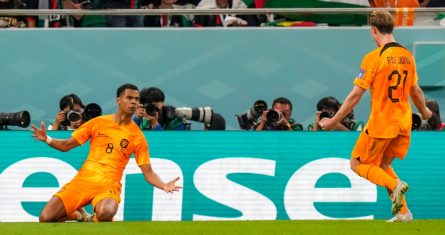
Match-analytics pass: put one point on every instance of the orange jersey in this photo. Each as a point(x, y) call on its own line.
point(404, 15)
point(111, 146)
point(390, 71)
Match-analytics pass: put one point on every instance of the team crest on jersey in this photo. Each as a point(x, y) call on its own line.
point(361, 73)
point(124, 144)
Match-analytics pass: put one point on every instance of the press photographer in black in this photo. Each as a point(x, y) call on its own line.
point(73, 113)
point(434, 123)
point(68, 104)
point(154, 114)
point(328, 107)
point(279, 117)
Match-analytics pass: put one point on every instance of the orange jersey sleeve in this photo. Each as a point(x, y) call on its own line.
point(111, 146)
point(389, 72)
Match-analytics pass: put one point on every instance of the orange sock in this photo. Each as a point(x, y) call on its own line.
point(390, 171)
point(377, 176)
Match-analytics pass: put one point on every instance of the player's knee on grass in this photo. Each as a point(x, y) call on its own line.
point(105, 215)
point(47, 217)
point(106, 212)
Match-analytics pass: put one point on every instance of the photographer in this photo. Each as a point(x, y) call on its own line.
point(157, 118)
point(328, 107)
point(68, 103)
point(434, 123)
point(279, 117)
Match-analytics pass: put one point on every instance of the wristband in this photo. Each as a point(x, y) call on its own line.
point(48, 139)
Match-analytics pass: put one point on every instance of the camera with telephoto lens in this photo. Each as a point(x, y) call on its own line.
point(248, 119)
point(200, 114)
point(273, 116)
point(21, 119)
point(90, 111)
point(151, 109)
point(168, 112)
point(418, 123)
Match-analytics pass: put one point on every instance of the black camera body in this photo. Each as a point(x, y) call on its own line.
point(250, 118)
point(326, 115)
point(90, 111)
point(418, 123)
point(273, 116)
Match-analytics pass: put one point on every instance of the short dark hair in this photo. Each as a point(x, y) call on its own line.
point(328, 103)
point(122, 88)
point(69, 101)
point(151, 94)
point(282, 100)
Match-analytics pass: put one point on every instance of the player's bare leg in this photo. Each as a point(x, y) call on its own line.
point(105, 210)
point(53, 211)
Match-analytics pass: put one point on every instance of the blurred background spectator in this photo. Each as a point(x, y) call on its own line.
point(432, 3)
point(222, 20)
point(329, 19)
point(18, 21)
point(403, 17)
point(164, 20)
point(122, 20)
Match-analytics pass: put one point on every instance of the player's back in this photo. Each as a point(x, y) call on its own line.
point(395, 73)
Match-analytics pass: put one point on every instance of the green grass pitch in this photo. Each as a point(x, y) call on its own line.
point(361, 227)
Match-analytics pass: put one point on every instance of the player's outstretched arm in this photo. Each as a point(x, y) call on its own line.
point(61, 145)
point(348, 104)
point(153, 178)
point(416, 94)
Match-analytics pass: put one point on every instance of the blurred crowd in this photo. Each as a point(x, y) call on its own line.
point(403, 17)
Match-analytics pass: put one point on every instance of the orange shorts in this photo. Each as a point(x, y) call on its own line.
point(78, 193)
point(371, 150)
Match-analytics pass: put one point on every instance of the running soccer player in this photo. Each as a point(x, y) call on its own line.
point(390, 73)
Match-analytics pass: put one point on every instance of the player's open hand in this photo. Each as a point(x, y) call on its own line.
point(39, 134)
point(171, 186)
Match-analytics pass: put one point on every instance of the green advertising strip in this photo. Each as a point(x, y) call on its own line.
point(231, 175)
